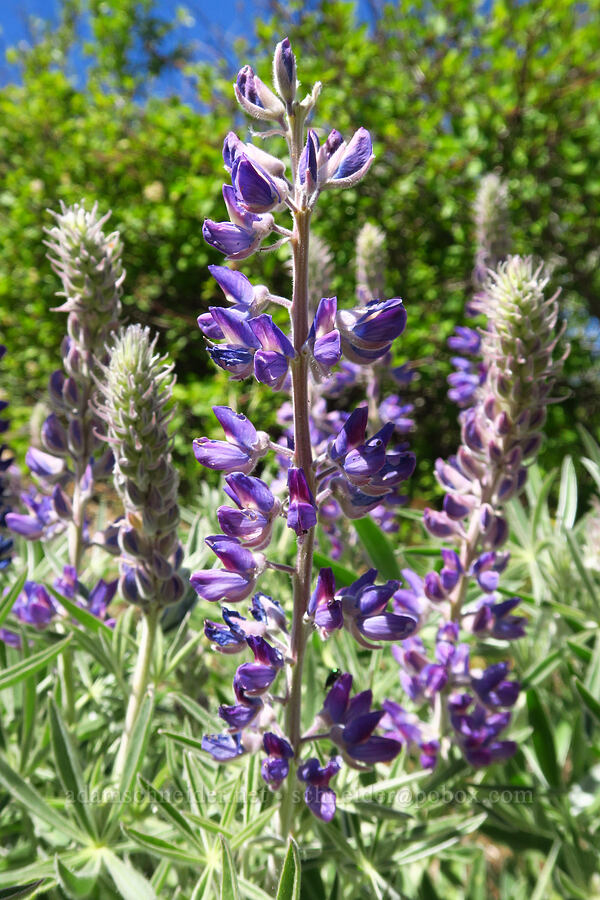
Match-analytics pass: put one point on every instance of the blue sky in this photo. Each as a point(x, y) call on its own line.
point(232, 16)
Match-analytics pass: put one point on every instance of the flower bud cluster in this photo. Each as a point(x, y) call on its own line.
point(88, 263)
point(501, 432)
point(492, 227)
point(135, 389)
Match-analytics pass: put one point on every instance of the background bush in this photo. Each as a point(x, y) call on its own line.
point(449, 93)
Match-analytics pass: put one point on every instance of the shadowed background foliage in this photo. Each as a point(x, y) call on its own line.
point(449, 91)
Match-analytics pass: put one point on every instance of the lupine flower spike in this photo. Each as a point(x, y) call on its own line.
point(347, 465)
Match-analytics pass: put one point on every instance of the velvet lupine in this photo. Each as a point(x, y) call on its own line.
point(88, 263)
point(133, 404)
point(135, 391)
point(501, 432)
point(319, 461)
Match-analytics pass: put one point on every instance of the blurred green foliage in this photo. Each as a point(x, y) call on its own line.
point(448, 90)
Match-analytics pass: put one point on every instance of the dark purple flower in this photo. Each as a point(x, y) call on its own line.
point(256, 98)
point(324, 608)
point(319, 797)
point(254, 188)
point(324, 338)
point(302, 513)
point(353, 160)
point(275, 767)
point(352, 723)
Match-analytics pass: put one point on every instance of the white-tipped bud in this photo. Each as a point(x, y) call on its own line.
point(284, 71)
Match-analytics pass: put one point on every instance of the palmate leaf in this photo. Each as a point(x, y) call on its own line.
point(289, 882)
point(31, 664)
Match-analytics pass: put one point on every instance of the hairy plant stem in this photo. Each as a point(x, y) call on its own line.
point(76, 547)
point(139, 685)
point(302, 458)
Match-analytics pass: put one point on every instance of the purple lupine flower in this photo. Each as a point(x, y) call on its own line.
point(302, 513)
point(324, 338)
point(284, 71)
point(236, 581)
point(324, 608)
point(352, 724)
point(254, 188)
point(223, 747)
point(420, 678)
point(256, 98)
point(477, 731)
point(318, 796)
point(493, 689)
point(465, 340)
point(240, 237)
point(343, 165)
point(307, 166)
point(42, 520)
point(34, 606)
point(391, 409)
point(272, 360)
point(364, 610)
point(100, 598)
point(365, 463)
point(367, 332)
point(487, 568)
point(234, 147)
point(241, 715)
point(243, 447)
point(412, 599)
point(275, 767)
point(495, 619)
point(407, 728)
point(268, 612)
point(252, 521)
point(228, 637)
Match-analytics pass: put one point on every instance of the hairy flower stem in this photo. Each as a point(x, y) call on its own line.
point(139, 685)
point(304, 460)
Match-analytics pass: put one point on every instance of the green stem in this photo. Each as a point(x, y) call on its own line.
point(139, 685)
point(303, 458)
